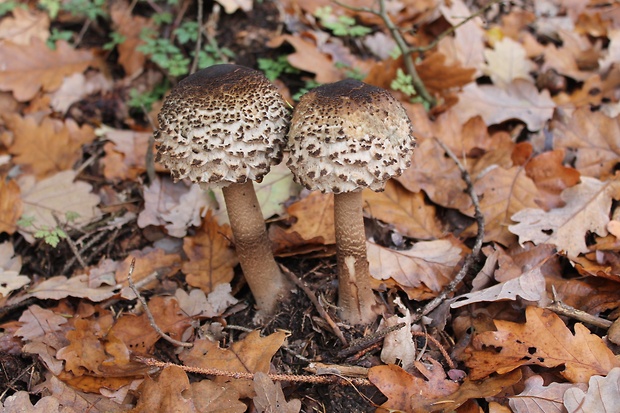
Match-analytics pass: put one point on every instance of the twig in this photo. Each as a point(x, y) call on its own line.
point(437, 344)
point(148, 312)
point(298, 378)
point(471, 258)
point(316, 304)
point(558, 307)
point(199, 39)
point(368, 341)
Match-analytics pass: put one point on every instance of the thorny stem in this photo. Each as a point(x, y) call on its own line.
point(471, 258)
point(149, 315)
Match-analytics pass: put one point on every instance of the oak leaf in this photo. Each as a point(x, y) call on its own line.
point(196, 303)
point(543, 340)
point(407, 212)
point(594, 137)
point(586, 211)
point(270, 398)
point(602, 395)
point(428, 264)
point(211, 257)
point(551, 177)
point(47, 147)
point(538, 398)
point(10, 205)
point(210, 397)
point(58, 287)
point(148, 261)
point(24, 25)
point(519, 100)
point(506, 62)
point(409, 393)
point(251, 355)
point(27, 70)
point(314, 216)
point(125, 154)
point(129, 26)
point(169, 393)
point(20, 402)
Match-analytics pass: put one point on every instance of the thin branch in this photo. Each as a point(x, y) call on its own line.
point(558, 307)
point(298, 378)
point(148, 312)
point(437, 344)
point(473, 256)
point(199, 39)
point(316, 304)
point(362, 343)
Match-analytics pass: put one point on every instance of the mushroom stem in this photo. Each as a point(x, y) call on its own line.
point(355, 297)
point(266, 281)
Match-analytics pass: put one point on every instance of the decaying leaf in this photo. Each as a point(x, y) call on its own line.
point(538, 398)
point(58, 287)
point(270, 398)
point(602, 395)
point(210, 397)
point(168, 393)
point(543, 340)
point(586, 211)
point(24, 25)
point(20, 402)
point(196, 303)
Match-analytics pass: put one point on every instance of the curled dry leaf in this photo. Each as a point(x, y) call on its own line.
point(602, 395)
point(587, 209)
point(543, 340)
point(29, 69)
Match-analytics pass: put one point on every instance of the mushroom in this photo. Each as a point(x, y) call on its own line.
point(225, 127)
point(344, 137)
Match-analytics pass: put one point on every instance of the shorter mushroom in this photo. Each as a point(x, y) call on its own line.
point(345, 137)
point(225, 126)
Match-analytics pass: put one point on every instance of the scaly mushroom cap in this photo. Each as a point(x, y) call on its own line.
point(348, 135)
point(224, 124)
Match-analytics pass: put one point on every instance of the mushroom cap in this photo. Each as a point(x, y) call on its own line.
point(347, 136)
point(224, 124)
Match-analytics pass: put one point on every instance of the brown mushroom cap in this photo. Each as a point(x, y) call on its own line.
point(224, 124)
point(349, 135)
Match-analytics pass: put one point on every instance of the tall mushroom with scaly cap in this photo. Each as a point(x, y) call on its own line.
point(344, 137)
point(225, 126)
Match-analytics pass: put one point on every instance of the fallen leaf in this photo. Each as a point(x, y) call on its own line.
point(58, 287)
point(467, 45)
point(20, 402)
point(25, 25)
point(231, 6)
point(551, 177)
point(502, 193)
point(169, 393)
point(129, 26)
point(270, 398)
point(530, 286)
point(519, 100)
point(538, 398)
point(398, 346)
point(11, 281)
point(197, 304)
point(543, 340)
point(125, 154)
point(148, 261)
point(407, 212)
point(30, 69)
point(251, 355)
point(37, 323)
point(507, 62)
point(47, 147)
point(211, 257)
point(314, 218)
point(409, 393)
point(10, 205)
point(76, 87)
point(210, 397)
point(594, 137)
point(587, 210)
point(602, 395)
point(428, 263)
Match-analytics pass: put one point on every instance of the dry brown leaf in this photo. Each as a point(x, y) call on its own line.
point(440, 77)
point(314, 218)
point(169, 393)
point(58, 287)
point(543, 340)
point(407, 212)
point(409, 393)
point(125, 154)
point(538, 398)
point(551, 177)
point(29, 69)
point(507, 62)
point(250, 355)
point(10, 205)
point(602, 395)
point(427, 263)
point(147, 261)
point(130, 26)
point(467, 44)
point(586, 211)
point(49, 147)
point(24, 25)
point(307, 57)
point(502, 193)
point(78, 86)
point(595, 138)
point(20, 402)
point(270, 398)
point(37, 323)
point(210, 397)
point(519, 100)
point(211, 258)
point(196, 303)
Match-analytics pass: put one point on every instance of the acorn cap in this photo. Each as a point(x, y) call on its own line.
point(224, 124)
point(347, 136)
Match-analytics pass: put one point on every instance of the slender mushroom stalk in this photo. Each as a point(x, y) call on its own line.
point(225, 126)
point(344, 137)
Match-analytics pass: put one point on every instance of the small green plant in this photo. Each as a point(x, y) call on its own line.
point(162, 18)
point(187, 32)
point(340, 25)
point(351, 72)
point(164, 53)
point(274, 68)
point(8, 6)
point(310, 84)
point(145, 100)
point(56, 35)
point(213, 54)
point(51, 236)
point(91, 9)
point(403, 83)
point(115, 39)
